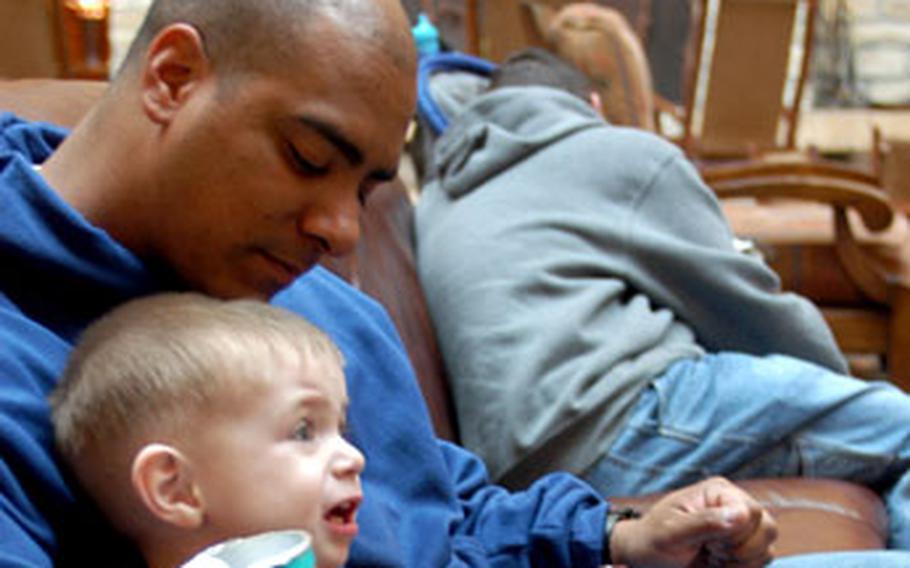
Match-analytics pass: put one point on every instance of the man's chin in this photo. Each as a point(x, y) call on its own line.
point(267, 290)
point(262, 290)
point(262, 287)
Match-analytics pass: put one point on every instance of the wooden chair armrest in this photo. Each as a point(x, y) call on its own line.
point(867, 199)
point(875, 278)
point(767, 167)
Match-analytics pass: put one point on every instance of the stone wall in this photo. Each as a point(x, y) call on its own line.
point(880, 40)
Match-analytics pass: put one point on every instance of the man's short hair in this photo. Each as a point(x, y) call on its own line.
point(539, 67)
point(159, 362)
point(249, 34)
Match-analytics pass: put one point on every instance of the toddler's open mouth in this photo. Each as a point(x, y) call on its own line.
point(342, 517)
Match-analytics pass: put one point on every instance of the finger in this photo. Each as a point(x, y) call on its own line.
point(758, 545)
point(722, 525)
point(719, 492)
point(754, 551)
point(715, 489)
point(743, 513)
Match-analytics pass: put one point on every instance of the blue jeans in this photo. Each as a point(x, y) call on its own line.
point(864, 559)
point(745, 417)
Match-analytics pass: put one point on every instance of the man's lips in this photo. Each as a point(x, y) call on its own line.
point(288, 270)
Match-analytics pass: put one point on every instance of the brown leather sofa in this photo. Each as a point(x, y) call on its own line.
point(814, 515)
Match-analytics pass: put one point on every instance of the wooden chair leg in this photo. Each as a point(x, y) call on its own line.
point(899, 342)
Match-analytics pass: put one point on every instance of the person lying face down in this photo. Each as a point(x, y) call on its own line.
point(192, 420)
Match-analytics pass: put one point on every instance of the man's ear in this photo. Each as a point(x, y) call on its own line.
point(175, 64)
point(163, 478)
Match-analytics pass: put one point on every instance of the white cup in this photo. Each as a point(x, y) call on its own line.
point(276, 549)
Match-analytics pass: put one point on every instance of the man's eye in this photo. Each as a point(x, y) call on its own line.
point(304, 430)
point(302, 164)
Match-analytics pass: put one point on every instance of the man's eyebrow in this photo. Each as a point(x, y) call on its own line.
point(351, 152)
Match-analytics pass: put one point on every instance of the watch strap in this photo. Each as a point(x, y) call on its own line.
point(615, 515)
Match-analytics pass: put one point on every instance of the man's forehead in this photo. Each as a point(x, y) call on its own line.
point(377, 24)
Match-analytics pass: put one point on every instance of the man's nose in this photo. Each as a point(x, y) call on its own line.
point(335, 225)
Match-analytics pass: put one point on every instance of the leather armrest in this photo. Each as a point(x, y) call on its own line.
point(813, 515)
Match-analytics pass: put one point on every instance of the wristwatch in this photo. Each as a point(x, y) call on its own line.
point(614, 516)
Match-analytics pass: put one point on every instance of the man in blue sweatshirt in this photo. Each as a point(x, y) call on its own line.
point(234, 149)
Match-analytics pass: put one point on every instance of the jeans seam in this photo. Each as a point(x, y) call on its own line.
point(637, 465)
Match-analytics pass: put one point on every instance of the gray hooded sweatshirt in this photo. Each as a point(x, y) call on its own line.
point(566, 264)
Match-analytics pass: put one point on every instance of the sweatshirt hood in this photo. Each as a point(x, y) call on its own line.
point(503, 127)
point(55, 261)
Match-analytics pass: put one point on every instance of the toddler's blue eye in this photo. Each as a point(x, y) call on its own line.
point(304, 430)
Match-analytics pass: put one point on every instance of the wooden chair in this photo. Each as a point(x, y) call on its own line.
point(602, 44)
point(495, 28)
point(484, 16)
point(746, 66)
point(745, 80)
point(833, 236)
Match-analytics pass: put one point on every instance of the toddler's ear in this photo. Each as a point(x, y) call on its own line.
point(163, 478)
